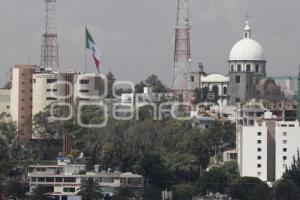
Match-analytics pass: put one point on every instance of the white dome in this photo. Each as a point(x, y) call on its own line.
point(247, 49)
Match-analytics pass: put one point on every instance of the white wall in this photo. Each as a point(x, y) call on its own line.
point(293, 144)
point(249, 153)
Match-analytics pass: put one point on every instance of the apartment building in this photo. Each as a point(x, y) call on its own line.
point(266, 144)
point(21, 100)
point(64, 181)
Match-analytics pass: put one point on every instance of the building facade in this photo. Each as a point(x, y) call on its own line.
point(64, 181)
point(266, 142)
point(21, 100)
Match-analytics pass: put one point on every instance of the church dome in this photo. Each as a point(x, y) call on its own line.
point(247, 49)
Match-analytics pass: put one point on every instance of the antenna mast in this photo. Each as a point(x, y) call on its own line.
point(49, 50)
point(182, 53)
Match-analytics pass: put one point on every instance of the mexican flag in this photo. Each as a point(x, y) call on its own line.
point(90, 44)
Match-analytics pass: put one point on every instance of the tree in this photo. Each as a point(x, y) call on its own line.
point(90, 189)
point(293, 172)
point(156, 84)
point(184, 192)
point(151, 192)
point(215, 180)
point(286, 189)
point(249, 188)
point(39, 193)
point(123, 193)
point(15, 190)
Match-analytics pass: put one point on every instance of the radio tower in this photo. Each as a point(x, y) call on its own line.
point(49, 51)
point(182, 53)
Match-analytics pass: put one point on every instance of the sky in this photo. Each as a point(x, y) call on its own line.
point(136, 36)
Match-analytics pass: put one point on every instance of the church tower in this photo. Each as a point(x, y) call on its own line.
point(247, 65)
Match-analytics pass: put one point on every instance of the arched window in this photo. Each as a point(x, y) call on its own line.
point(257, 68)
point(215, 89)
point(225, 90)
point(239, 68)
point(248, 67)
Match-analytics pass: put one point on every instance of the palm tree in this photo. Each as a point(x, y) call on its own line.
point(90, 189)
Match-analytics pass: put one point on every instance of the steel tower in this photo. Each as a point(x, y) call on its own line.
point(49, 51)
point(182, 53)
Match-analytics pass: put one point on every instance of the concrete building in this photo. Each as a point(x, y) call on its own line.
point(247, 66)
point(21, 100)
point(266, 143)
point(64, 181)
point(5, 101)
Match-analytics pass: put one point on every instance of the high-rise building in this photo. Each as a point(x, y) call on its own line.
point(266, 143)
point(21, 100)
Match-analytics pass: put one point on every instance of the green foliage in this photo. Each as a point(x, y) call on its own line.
point(123, 193)
point(215, 180)
point(286, 189)
point(39, 193)
point(90, 189)
point(293, 172)
point(151, 192)
point(15, 190)
point(151, 81)
point(184, 192)
point(249, 188)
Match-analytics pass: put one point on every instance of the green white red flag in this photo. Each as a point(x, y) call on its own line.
point(91, 45)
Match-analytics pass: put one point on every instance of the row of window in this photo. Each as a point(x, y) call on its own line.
point(54, 179)
point(248, 68)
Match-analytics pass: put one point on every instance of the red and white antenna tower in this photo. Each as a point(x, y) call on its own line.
point(49, 51)
point(182, 53)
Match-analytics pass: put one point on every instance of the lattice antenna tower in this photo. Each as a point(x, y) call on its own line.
point(49, 50)
point(182, 52)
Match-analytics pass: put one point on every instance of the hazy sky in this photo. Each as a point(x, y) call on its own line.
point(135, 36)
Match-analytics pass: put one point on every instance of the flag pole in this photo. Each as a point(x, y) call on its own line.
point(85, 51)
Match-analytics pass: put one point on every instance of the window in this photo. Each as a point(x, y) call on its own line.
point(232, 68)
point(258, 173)
point(51, 99)
point(69, 180)
point(67, 189)
point(84, 91)
point(84, 81)
point(284, 141)
point(58, 179)
point(248, 68)
point(41, 169)
point(256, 68)
point(259, 149)
point(258, 133)
point(284, 134)
point(258, 165)
point(225, 90)
point(33, 179)
point(239, 68)
point(192, 78)
point(49, 179)
point(40, 179)
point(33, 80)
point(237, 100)
point(284, 158)
point(258, 141)
point(284, 149)
point(237, 79)
point(258, 157)
point(51, 80)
